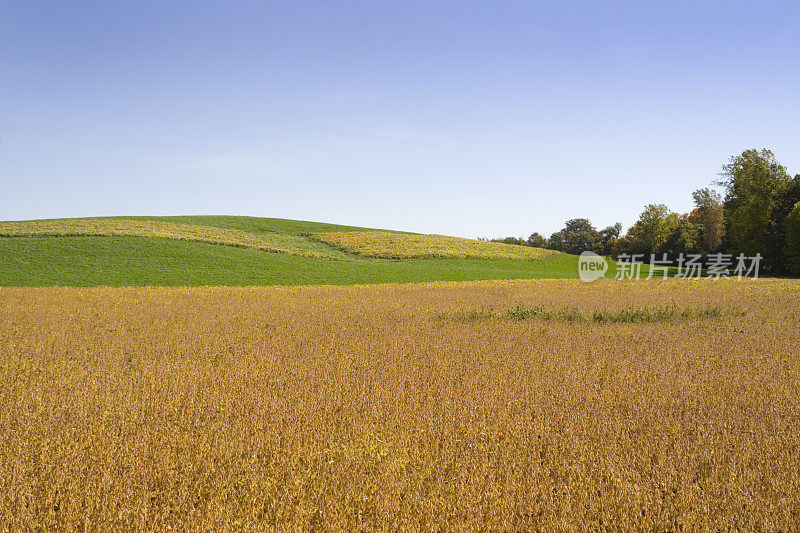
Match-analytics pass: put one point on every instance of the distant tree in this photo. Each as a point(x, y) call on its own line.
point(537, 240)
point(607, 238)
point(709, 218)
point(650, 233)
point(775, 244)
point(622, 245)
point(556, 241)
point(754, 183)
point(792, 246)
point(684, 239)
point(511, 240)
point(579, 236)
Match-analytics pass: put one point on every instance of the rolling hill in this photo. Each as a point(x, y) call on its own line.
point(235, 250)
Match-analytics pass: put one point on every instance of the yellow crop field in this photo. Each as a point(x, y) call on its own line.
point(395, 407)
point(407, 246)
point(272, 242)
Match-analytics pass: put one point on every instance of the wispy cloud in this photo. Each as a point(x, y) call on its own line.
point(292, 158)
point(254, 162)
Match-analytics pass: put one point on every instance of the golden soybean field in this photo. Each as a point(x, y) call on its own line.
point(366, 407)
point(386, 245)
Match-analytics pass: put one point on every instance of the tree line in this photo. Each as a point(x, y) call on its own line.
point(757, 212)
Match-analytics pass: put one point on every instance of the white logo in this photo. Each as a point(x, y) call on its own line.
point(591, 266)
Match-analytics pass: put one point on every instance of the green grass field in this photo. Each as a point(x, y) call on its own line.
point(138, 261)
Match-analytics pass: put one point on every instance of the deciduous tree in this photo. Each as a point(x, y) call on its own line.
point(754, 182)
point(792, 246)
point(650, 233)
point(580, 236)
point(537, 240)
point(708, 215)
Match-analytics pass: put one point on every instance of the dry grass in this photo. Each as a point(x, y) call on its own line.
point(356, 407)
point(407, 246)
point(270, 242)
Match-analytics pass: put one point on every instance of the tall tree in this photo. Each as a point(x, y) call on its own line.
point(709, 217)
point(608, 236)
point(754, 182)
point(556, 241)
point(650, 233)
point(775, 245)
point(684, 239)
point(580, 236)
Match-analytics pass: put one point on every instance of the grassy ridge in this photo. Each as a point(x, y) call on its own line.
point(404, 246)
point(269, 242)
point(259, 225)
point(138, 261)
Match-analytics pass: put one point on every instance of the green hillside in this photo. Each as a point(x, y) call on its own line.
point(92, 260)
point(259, 225)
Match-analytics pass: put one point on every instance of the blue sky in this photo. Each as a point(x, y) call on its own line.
point(464, 118)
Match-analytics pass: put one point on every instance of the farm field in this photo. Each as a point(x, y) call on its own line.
point(402, 406)
point(230, 250)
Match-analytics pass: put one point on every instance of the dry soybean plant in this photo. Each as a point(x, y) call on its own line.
point(344, 408)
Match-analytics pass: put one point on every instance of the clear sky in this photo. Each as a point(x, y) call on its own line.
point(464, 118)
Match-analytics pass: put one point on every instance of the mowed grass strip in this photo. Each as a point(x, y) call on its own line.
point(275, 242)
point(387, 245)
point(630, 315)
